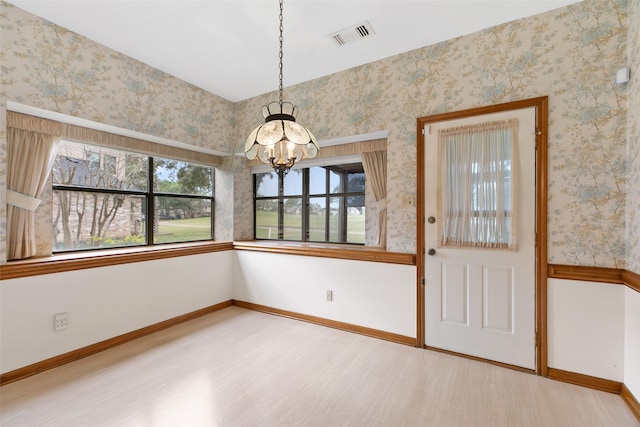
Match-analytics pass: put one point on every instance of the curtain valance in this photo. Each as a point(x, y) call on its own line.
point(107, 139)
point(34, 124)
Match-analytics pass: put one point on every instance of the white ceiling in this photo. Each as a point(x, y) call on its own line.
point(230, 47)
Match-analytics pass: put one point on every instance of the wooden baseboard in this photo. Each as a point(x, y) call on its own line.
point(585, 381)
point(80, 353)
point(480, 359)
point(631, 401)
point(375, 333)
point(555, 374)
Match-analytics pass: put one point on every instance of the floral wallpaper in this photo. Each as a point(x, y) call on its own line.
point(633, 140)
point(55, 69)
point(223, 214)
point(49, 67)
point(570, 55)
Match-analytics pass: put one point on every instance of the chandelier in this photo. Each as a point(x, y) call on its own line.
point(280, 141)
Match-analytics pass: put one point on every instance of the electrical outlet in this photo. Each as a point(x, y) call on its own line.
point(60, 321)
point(329, 295)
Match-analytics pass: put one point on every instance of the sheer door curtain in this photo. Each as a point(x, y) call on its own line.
point(31, 148)
point(478, 191)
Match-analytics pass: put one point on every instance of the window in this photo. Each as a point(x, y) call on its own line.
point(106, 198)
point(477, 199)
point(92, 158)
point(318, 204)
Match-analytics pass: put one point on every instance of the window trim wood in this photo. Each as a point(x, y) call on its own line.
point(328, 250)
point(71, 261)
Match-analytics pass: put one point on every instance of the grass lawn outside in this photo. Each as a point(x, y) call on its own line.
point(267, 227)
point(183, 230)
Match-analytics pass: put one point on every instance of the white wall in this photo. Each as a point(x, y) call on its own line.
point(103, 303)
point(586, 325)
point(632, 341)
point(594, 328)
point(375, 295)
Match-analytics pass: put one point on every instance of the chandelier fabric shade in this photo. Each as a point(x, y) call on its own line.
point(280, 141)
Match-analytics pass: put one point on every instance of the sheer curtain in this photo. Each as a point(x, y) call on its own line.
point(478, 170)
point(31, 155)
point(375, 169)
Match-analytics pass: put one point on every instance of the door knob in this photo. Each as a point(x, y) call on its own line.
point(431, 220)
point(431, 252)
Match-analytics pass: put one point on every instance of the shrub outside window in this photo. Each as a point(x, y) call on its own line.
point(103, 198)
point(318, 204)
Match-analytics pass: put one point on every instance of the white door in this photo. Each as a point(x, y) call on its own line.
point(481, 302)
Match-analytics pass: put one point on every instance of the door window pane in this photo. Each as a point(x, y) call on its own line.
point(476, 194)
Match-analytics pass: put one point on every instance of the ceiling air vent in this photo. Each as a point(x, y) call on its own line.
point(352, 34)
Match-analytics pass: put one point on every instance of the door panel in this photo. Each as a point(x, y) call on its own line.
point(481, 302)
point(455, 294)
point(497, 307)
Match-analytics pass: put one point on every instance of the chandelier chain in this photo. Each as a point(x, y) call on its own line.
point(283, 142)
point(280, 55)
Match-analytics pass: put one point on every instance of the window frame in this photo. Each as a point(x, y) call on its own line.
point(305, 197)
point(149, 196)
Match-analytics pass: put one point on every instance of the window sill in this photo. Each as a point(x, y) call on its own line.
point(71, 261)
point(328, 250)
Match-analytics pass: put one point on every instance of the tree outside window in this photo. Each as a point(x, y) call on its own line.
point(104, 198)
